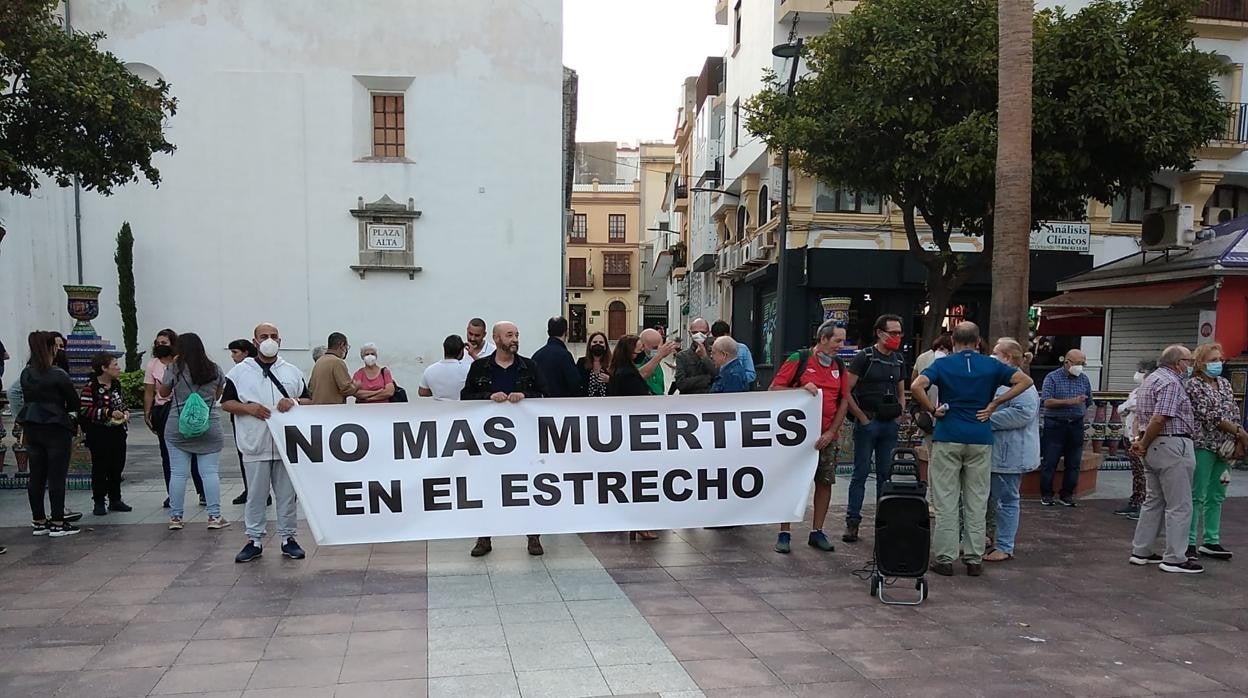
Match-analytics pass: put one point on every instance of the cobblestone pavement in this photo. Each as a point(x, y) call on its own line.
point(137, 610)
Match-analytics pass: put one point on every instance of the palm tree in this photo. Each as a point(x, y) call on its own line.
point(1011, 219)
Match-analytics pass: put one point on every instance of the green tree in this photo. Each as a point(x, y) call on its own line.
point(124, 258)
point(69, 109)
point(902, 101)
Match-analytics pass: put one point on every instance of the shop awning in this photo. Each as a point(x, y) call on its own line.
point(1082, 313)
point(1159, 295)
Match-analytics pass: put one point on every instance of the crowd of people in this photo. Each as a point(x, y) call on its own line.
point(987, 424)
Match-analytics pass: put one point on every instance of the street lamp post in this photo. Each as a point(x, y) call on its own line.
point(793, 51)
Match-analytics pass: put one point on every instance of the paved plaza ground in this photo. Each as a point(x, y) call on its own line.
point(128, 608)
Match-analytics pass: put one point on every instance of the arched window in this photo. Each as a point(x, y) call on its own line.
point(1131, 208)
point(742, 218)
point(764, 205)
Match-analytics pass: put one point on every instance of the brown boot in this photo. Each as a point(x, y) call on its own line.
point(851, 532)
point(535, 545)
point(482, 547)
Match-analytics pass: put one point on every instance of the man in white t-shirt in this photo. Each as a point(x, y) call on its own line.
point(477, 344)
point(445, 379)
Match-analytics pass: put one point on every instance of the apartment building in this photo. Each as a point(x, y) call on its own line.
point(602, 258)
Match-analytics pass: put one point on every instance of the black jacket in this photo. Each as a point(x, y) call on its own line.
point(627, 381)
point(49, 398)
point(480, 382)
point(694, 374)
point(558, 369)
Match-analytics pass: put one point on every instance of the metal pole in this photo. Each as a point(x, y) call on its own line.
point(782, 277)
point(69, 29)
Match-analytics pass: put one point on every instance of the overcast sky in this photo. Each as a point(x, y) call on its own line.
point(632, 57)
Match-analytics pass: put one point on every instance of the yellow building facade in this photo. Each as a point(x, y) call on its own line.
point(602, 260)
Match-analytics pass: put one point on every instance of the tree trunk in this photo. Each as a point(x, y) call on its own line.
point(1012, 212)
point(939, 292)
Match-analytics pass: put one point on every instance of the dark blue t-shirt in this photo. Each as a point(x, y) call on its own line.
point(504, 379)
point(968, 381)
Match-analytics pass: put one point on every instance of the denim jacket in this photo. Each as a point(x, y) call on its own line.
point(731, 379)
point(1016, 433)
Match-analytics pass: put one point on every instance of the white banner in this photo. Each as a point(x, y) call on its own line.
point(432, 469)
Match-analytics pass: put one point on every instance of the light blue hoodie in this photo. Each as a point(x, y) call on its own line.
point(1016, 433)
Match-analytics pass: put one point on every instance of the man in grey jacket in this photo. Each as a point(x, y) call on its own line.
point(695, 372)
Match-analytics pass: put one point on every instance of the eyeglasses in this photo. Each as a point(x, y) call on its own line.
point(893, 333)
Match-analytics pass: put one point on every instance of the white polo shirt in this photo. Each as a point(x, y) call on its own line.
point(445, 379)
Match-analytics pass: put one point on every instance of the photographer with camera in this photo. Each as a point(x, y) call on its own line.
point(877, 398)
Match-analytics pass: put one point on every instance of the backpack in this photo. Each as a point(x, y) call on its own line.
point(803, 357)
point(193, 417)
point(886, 406)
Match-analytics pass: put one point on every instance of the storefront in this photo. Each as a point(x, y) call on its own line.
point(1148, 300)
point(876, 282)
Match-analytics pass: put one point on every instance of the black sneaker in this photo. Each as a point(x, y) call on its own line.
point(250, 552)
point(292, 550)
point(1186, 567)
point(166, 504)
point(1145, 559)
point(1047, 502)
point(203, 502)
point(535, 546)
point(241, 499)
point(120, 506)
point(1127, 510)
point(1067, 502)
point(62, 530)
point(1191, 553)
point(483, 547)
point(71, 515)
point(38, 528)
point(99, 510)
point(3, 550)
point(1214, 551)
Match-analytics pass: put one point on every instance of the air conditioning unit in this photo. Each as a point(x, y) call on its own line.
point(1168, 228)
point(1219, 215)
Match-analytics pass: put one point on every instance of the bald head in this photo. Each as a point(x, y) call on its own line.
point(265, 330)
point(267, 340)
point(1173, 355)
point(723, 350)
point(966, 336)
point(699, 325)
point(506, 337)
point(650, 339)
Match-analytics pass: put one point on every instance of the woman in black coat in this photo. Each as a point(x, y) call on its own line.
point(48, 417)
point(627, 380)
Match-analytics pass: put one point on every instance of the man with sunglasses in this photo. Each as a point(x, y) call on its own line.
point(876, 392)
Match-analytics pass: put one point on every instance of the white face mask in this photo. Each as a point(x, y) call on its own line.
point(370, 359)
point(699, 337)
point(268, 348)
point(1138, 377)
point(1076, 370)
point(940, 353)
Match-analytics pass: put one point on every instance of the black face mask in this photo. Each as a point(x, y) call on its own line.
point(162, 351)
point(61, 359)
point(598, 350)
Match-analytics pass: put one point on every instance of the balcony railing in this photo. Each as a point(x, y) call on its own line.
point(624, 280)
point(585, 280)
point(1237, 123)
point(1233, 10)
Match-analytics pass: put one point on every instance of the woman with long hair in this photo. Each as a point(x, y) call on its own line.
point(104, 419)
point(626, 380)
point(1015, 451)
point(194, 385)
point(594, 366)
point(48, 414)
point(1219, 438)
point(156, 407)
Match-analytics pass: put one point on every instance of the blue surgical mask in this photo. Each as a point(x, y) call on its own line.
point(1214, 368)
point(824, 360)
point(1187, 373)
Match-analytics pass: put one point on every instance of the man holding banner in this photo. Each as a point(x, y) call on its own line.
point(504, 376)
point(814, 370)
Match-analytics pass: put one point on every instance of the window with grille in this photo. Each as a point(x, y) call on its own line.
point(388, 127)
point(580, 227)
point(616, 271)
point(615, 227)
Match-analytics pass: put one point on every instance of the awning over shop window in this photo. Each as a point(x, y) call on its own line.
point(1083, 312)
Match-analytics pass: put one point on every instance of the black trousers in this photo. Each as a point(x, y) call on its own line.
point(108, 460)
point(48, 446)
point(160, 415)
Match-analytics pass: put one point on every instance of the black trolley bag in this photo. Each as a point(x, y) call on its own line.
point(903, 529)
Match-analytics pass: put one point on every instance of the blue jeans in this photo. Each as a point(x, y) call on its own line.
point(876, 438)
point(180, 470)
point(1062, 439)
point(1005, 501)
